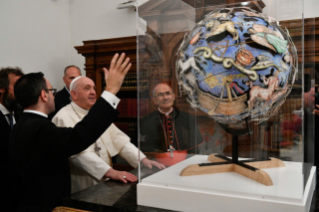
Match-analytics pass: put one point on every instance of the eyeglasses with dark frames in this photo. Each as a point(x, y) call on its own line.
point(53, 90)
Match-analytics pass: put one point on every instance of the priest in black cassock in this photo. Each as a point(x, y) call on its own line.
point(8, 117)
point(39, 151)
point(168, 128)
point(62, 98)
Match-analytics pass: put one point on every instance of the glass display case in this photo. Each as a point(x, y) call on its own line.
point(225, 101)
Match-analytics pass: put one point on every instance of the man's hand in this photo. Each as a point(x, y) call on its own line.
point(115, 75)
point(316, 111)
point(120, 175)
point(150, 163)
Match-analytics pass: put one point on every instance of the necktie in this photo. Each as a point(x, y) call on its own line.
point(10, 120)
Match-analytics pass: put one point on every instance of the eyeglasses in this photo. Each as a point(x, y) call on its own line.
point(53, 90)
point(168, 93)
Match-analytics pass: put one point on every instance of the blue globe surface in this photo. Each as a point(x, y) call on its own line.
point(236, 63)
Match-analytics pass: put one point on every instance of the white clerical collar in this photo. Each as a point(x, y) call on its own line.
point(4, 110)
point(165, 113)
point(36, 112)
point(78, 109)
point(67, 89)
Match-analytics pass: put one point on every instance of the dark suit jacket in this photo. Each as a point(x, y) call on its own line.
point(8, 200)
point(153, 134)
point(40, 151)
point(61, 99)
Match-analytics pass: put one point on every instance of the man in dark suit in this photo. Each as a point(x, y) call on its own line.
point(62, 98)
point(39, 150)
point(8, 117)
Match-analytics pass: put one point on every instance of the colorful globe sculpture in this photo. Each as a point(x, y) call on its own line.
point(236, 63)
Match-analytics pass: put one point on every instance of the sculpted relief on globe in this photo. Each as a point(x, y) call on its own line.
point(237, 63)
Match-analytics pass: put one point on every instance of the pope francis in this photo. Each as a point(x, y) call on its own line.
point(94, 164)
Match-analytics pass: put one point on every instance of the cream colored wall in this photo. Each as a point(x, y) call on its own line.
point(291, 9)
point(35, 36)
point(40, 35)
point(98, 20)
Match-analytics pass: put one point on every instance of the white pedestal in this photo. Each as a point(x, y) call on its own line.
point(227, 192)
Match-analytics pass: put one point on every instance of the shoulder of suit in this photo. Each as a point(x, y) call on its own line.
point(36, 121)
point(62, 93)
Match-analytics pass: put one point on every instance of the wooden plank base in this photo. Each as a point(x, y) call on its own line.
point(195, 169)
point(258, 175)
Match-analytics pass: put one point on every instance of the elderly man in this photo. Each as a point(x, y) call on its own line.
point(62, 98)
point(39, 150)
point(95, 164)
point(8, 117)
point(167, 128)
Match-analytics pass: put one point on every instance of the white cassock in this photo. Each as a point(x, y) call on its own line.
point(88, 167)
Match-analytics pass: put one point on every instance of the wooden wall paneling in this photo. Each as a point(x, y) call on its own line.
point(311, 32)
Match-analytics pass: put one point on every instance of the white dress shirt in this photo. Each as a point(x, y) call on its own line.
point(109, 97)
point(5, 112)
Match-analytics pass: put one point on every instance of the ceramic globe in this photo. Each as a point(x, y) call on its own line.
point(235, 64)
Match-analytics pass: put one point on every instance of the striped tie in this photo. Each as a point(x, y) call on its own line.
point(10, 120)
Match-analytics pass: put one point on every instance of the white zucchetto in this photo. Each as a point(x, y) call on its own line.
point(73, 82)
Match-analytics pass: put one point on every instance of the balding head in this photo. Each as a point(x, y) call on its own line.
point(163, 97)
point(83, 93)
point(70, 72)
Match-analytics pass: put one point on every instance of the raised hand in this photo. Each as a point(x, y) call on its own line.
point(120, 175)
point(115, 75)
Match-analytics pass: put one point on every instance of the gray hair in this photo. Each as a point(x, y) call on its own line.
point(162, 83)
point(70, 66)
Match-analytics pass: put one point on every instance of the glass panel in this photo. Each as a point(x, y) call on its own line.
point(224, 83)
point(309, 90)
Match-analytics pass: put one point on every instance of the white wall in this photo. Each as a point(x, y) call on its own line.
point(40, 35)
point(291, 9)
point(98, 19)
point(35, 36)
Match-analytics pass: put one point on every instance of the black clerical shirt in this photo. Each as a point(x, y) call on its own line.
point(156, 134)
